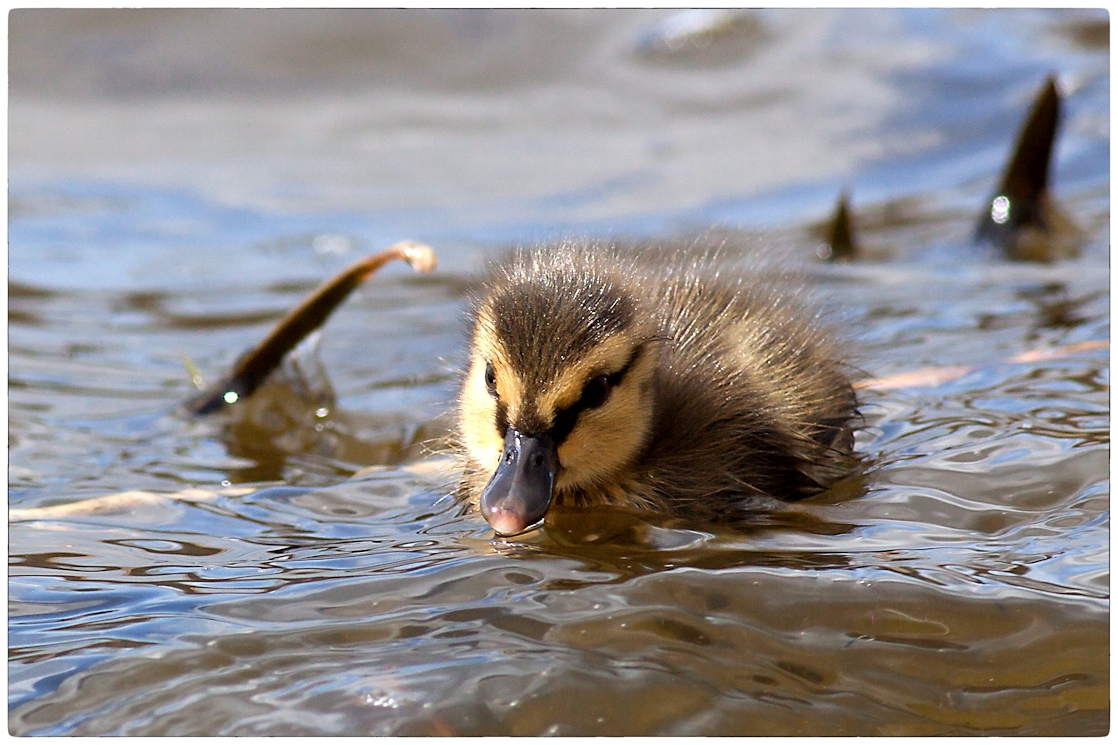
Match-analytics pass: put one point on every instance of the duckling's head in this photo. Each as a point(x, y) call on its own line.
point(558, 394)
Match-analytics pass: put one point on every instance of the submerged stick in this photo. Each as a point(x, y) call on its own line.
point(840, 240)
point(1021, 200)
point(120, 502)
point(132, 500)
point(1027, 175)
point(933, 376)
point(257, 363)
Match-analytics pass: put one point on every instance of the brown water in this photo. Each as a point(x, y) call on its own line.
point(178, 180)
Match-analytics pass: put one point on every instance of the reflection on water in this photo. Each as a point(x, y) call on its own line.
point(959, 585)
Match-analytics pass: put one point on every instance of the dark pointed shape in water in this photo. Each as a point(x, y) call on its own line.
point(1020, 218)
point(840, 239)
point(255, 365)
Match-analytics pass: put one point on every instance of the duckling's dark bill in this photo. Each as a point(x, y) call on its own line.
point(519, 494)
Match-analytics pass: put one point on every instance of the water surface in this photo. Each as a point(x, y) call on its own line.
point(173, 199)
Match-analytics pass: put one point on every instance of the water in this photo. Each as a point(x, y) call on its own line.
point(171, 198)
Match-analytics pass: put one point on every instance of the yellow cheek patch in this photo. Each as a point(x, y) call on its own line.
point(477, 417)
point(605, 440)
point(477, 409)
point(487, 347)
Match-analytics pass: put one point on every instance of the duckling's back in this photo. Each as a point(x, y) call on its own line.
point(752, 398)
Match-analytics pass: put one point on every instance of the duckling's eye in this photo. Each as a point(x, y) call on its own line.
point(595, 393)
point(490, 379)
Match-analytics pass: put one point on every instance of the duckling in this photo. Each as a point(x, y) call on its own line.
point(655, 382)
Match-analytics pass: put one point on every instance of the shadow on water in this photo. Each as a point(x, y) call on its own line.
point(280, 427)
point(615, 548)
point(628, 545)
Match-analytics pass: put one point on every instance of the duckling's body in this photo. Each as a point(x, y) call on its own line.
point(646, 381)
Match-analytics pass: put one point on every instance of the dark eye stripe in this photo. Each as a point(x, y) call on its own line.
point(565, 419)
point(502, 418)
